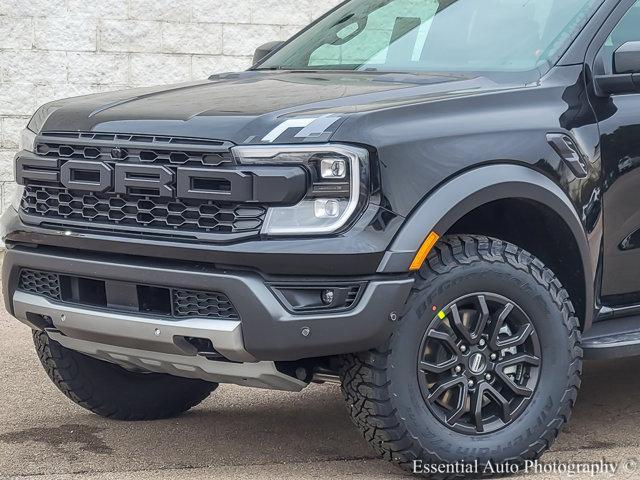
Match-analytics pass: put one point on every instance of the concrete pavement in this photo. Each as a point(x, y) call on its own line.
point(247, 433)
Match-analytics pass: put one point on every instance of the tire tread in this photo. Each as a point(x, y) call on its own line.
point(365, 387)
point(67, 369)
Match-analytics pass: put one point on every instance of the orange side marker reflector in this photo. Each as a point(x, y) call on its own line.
point(423, 251)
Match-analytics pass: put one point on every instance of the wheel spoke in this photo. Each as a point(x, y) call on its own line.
point(446, 338)
point(476, 408)
point(509, 381)
point(516, 340)
point(483, 316)
point(493, 341)
point(438, 367)
point(512, 385)
point(511, 360)
point(486, 390)
point(495, 395)
point(458, 325)
point(443, 387)
point(461, 407)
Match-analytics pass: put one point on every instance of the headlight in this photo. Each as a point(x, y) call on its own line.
point(27, 140)
point(339, 181)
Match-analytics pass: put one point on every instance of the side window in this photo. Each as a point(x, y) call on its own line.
point(628, 30)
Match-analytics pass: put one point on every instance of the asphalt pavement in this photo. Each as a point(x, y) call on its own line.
point(241, 433)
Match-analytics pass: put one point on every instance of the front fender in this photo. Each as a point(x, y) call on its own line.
point(459, 196)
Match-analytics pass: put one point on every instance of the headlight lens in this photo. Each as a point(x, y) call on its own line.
point(27, 140)
point(339, 181)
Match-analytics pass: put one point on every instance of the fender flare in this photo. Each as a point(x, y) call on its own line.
point(459, 196)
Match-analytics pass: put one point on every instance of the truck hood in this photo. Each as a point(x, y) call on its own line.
point(253, 106)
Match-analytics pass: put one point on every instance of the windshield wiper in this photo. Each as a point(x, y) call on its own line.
point(270, 68)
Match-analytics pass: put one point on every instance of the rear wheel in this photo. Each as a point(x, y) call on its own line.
point(111, 391)
point(485, 363)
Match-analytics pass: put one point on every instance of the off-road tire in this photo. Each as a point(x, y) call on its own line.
point(381, 386)
point(113, 392)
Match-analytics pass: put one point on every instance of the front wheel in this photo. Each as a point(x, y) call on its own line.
point(484, 365)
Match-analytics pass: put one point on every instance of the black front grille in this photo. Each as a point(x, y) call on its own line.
point(190, 303)
point(150, 300)
point(40, 283)
point(134, 148)
point(135, 212)
point(138, 212)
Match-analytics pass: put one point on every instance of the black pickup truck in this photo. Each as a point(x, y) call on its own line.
point(432, 202)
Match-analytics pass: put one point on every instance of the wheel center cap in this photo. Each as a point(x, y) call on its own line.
point(477, 363)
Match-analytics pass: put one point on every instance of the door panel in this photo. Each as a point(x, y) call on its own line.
point(619, 120)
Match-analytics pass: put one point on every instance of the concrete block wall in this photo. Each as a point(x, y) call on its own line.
point(52, 49)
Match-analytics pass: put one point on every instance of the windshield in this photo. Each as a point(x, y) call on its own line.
point(437, 36)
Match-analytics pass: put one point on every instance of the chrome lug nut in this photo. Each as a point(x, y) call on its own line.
point(488, 377)
point(458, 369)
point(471, 383)
point(482, 342)
point(463, 348)
point(493, 356)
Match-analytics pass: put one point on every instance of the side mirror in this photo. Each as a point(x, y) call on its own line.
point(626, 72)
point(263, 50)
point(627, 59)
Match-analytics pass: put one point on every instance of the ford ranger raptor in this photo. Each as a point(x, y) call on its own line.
point(433, 202)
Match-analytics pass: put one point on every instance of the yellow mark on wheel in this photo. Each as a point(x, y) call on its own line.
point(441, 315)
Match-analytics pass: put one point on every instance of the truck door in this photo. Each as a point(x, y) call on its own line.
point(619, 120)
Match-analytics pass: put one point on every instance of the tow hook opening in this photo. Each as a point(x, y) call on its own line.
point(202, 347)
point(40, 322)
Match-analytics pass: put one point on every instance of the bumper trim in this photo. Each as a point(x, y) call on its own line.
point(258, 375)
point(133, 331)
point(269, 331)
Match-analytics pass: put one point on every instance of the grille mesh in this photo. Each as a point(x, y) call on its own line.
point(140, 212)
point(185, 303)
point(352, 296)
point(135, 148)
point(40, 283)
point(190, 303)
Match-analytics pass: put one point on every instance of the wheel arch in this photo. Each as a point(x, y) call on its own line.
point(448, 206)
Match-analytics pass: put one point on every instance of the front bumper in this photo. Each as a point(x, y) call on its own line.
point(265, 332)
point(83, 330)
point(357, 251)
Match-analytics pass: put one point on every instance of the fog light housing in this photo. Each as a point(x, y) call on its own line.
point(318, 298)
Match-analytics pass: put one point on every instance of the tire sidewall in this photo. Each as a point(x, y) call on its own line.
point(530, 294)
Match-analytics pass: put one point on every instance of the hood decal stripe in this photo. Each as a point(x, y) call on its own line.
point(311, 127)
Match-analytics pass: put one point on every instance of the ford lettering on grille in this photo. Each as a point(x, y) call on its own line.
point(148, 185)
point(157, 180)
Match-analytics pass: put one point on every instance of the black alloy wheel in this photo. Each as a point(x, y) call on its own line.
point(479, 363)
